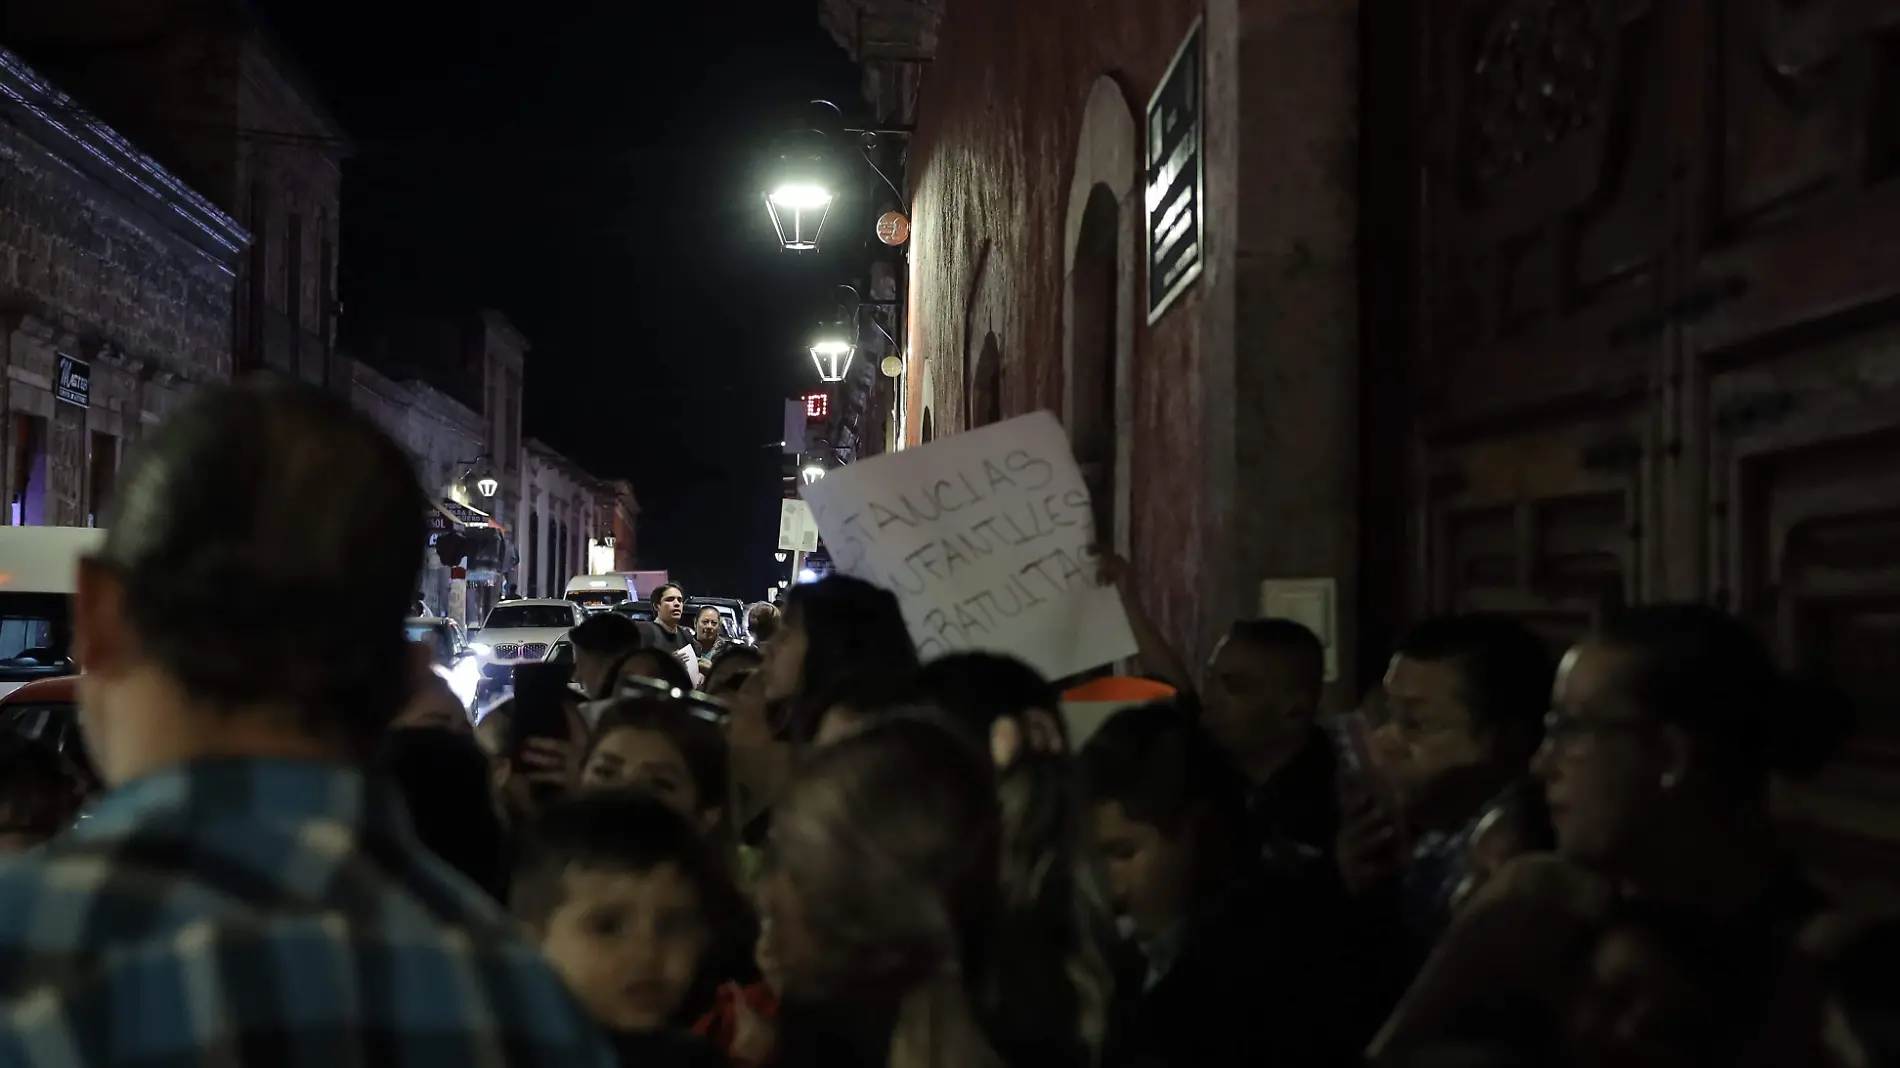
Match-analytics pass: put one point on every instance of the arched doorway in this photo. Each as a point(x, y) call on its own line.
point(930, 428)
point(1094, 293)
point(1102, 270)
point(986, 384)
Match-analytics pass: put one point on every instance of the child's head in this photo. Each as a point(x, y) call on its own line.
point(665, 749)
point(1165, 808)
point(40, 795)
point(620, 891)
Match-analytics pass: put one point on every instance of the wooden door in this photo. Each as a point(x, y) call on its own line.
point(1658, 340)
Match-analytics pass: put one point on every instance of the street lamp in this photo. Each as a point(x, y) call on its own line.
point(801, 187)
point(803, 181)
point(832, 346)
point(486, 485)
point(799, 210)
point(812, 473)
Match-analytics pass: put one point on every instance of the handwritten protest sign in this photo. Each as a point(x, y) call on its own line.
point(985, 538)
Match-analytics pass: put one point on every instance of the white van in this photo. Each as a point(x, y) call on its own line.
point(38, 573)
point(598, 593)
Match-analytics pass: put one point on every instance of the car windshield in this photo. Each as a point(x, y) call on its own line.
point(530, 617)
point(33, 632)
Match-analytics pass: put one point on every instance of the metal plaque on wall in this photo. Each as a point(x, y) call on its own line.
point(1175, 220)
point(75, 381)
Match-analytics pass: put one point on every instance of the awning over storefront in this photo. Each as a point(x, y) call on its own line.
point(484, 542)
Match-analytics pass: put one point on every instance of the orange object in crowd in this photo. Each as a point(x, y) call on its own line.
point(1120, 690)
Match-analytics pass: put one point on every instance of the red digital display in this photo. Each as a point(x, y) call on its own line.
point(817, 406)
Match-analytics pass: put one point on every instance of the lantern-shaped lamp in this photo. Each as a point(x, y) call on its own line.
point(798, 194)
point(832, 347)
point(812, 473)
point(487, 486)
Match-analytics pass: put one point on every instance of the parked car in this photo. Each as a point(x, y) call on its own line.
point(47, 711)
point(598, 593)
point(638, 611)
point(441, 634)
point(37, 565)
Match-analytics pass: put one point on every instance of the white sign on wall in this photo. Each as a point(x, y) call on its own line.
point(1312, 603)
point(797, 531)
point(987, 540)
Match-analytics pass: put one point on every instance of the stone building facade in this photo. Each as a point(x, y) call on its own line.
point(1221, 437)
point(565, 513)
point(450, 388)
point(117, 282)
point(201, 85)
point(442, 435)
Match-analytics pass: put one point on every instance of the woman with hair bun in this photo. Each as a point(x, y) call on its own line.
point(882, 902)
point(1665, 729)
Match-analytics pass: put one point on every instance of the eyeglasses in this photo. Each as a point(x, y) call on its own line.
point(702, 705)
point(1574, 733)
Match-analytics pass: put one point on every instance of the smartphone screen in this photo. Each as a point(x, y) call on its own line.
point(540, 701)
point(1352, 735)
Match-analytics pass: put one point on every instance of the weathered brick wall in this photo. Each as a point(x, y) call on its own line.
point(75, 255)
point(992, 158)
point(108, 259)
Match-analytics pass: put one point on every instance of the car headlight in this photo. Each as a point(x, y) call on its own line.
point(479, 649)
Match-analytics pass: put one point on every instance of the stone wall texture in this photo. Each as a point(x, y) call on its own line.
point(108, 259)
point(992, 160)
point(76, 256)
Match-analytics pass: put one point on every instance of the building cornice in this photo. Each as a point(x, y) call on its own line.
point(883, 31)
point(69, 132)
point(498, 323)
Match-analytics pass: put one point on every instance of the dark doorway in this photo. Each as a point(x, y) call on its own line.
point(30, 470)
point(1094, 301)
point(102, 466)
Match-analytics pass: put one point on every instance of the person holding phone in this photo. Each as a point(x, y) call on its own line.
point(1466, 697)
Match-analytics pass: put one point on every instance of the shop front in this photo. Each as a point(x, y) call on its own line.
point(469, 556)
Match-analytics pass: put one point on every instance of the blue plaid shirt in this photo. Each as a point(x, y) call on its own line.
point(267, 913)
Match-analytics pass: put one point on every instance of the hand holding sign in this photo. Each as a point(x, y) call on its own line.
point(985, 538)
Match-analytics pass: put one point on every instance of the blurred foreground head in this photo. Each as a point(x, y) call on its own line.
point(261, 555)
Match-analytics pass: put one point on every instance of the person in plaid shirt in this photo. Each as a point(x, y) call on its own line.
point(244, 894)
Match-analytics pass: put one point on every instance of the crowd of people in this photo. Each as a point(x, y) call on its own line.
point(830, 855)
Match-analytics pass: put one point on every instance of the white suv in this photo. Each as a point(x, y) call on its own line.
point(522, 632)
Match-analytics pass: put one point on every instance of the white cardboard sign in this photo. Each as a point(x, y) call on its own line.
point(986, 538)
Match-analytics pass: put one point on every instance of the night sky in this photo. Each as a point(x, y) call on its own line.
point(592, 169)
